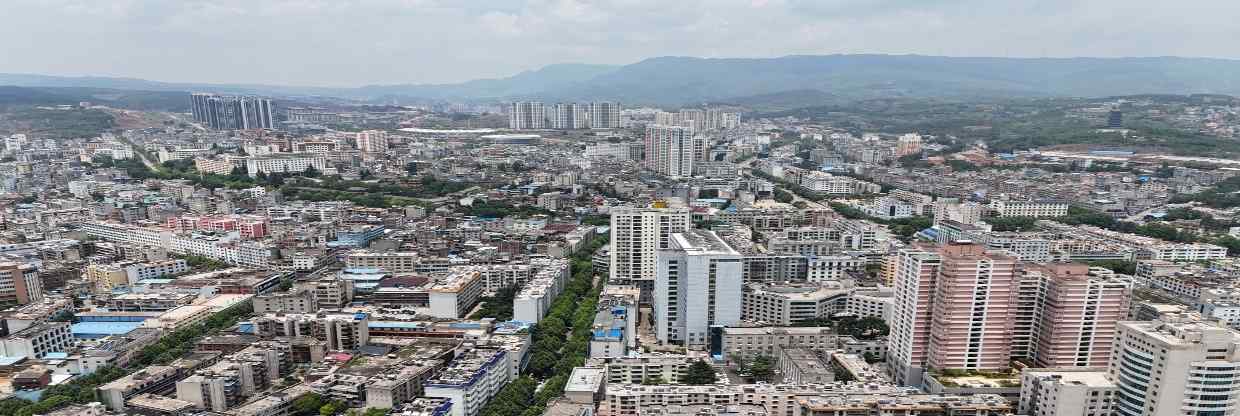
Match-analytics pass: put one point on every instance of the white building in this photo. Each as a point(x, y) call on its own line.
point(1034, 209)
point(290, 163)
point(453, 296)
point(1071, 391)
point(529, 115)
point(636, 233)
point(532, 302)
point(1173, 367)
point(672, 151)
point(474, 376)
point(697, 286)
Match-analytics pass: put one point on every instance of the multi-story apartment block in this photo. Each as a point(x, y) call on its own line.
point(471, 380)
point(697, 286)
point(1177, 366)
point(532, 302)
point(38, 340)
point(530, 115)
point(672, 151)
point(1078, 315)
point(1034, 209)
point(605, 115)
point(1074, 391)
point(341, 331)
point(285, 163)
point(954, 308)
point(20, 283)
point(787, 304)
point(569, 116)
point(747, 342)
point(372, 141)
point(636, 235)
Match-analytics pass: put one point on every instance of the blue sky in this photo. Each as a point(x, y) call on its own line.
point(357, 42)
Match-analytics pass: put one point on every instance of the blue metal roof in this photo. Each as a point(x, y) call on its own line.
point(101, 329)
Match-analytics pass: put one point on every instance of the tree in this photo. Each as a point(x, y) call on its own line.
point(411, 168)
point(699, 373)
point(871, 358)
point(310, 172)
point(654, 381)
point(308, 404)
point(762, 368)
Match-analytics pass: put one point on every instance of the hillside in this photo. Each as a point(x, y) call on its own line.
point(784, 82)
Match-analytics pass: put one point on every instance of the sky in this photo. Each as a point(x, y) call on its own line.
point(366, 42)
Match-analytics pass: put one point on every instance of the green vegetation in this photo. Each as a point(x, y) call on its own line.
point(1118, 266)
point(488, 209)
point(201, 263)
point(760, 368)
point(1012, 223)
point(81, 390)
point(63, 124)
point(901, 227)
point(796, 189)
point(559, 343)
point(866, 328)
point(699, 373)
point(498, 306)
point(1225, 194)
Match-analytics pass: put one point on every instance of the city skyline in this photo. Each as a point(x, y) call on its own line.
point(175, 41)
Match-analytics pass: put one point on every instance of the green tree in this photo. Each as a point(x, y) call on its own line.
point(762, 368)
point(654, 381)
point(699, 373)
point(307, 404)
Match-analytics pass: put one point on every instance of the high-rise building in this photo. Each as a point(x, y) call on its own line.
point(604, 115)
point(697, 286)
point(1115, 118)
point(1179, 366)
point(568, 116)
point(954, 308)
point(372, 141)
point(672, 151)
point(232, 112)
point(636, 234)
point(1079, 314)
point(526, 115)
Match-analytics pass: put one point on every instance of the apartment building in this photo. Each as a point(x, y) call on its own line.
point(471, 380)
point(636, 235)
point(20, 283)
point(1175, 366)
point(789, 303)
point(672, 151)
point(1071, 391)
point(749, 342)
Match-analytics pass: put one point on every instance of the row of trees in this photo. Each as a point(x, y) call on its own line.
point(559, 344)
point(901, 227)
point(499, 305)
point(170, 347)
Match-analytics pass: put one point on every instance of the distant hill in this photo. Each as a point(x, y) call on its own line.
point(786, 82)
point(129, 99)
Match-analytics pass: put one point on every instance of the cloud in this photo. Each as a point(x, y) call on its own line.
point(355, 42)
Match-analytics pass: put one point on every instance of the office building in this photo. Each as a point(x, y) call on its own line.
point(672, 151)
point(697, 286)
point(636, 234)
point(527, 115)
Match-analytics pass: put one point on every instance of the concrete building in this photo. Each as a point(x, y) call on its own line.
point(285, 163)
point(1079, 313)
point(372, 141)
point(672, 151)
point(1033, 209)
point(697, 286)
point(38, 340)
point(471, 380)
point(529, 115)
point(20, 283)
point(153, 379)
point(954, 308)
point(636, 234)
point(454, 295)
point(1074, 391)
point(789, 303)
point(532, 302)
point(1178, 366)
point(750, 342)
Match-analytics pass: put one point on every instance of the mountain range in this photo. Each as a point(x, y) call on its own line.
point(787, 82)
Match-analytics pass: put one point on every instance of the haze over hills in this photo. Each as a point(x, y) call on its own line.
point(788, 81)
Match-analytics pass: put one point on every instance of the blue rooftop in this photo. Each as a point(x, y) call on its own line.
point(92, 330)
